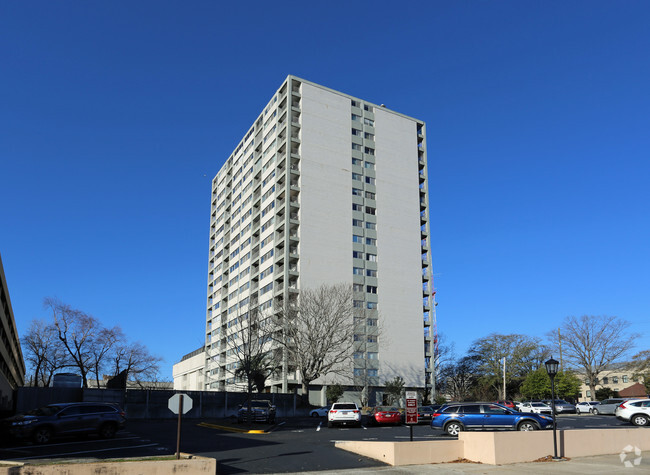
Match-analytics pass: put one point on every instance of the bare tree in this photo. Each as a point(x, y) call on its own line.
point(77, 332)
point(459, 379)
point(250, 344)
point(316, 332)
point(136, 362)
point(591, 343)
point(103, 343)
point(43, 352)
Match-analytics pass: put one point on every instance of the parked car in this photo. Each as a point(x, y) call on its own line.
point(457, 417)
point(425, 412)
point(535, 407)
point(561, 406)
point(319, 412)
point(344, 413)
point(385, 415)
point(586, 406)
point(636, 411)
point(506, 403)
point(261, 409)
point(608, 406)
point(79, 418)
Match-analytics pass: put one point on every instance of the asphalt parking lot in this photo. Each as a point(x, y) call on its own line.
point(291, 445)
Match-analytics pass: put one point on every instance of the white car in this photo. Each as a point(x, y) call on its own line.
point(344, 413)
point(636, 411)
point(319, 412)
point(586, 407)
point(536, 407)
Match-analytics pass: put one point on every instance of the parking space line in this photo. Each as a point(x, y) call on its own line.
point(84, 452)
point(77, 442)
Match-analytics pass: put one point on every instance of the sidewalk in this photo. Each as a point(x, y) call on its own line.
point(601, 464)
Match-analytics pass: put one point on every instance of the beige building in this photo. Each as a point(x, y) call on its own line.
point(188, 373)
point(324, 188)
point(617, 377)
point(12, 365)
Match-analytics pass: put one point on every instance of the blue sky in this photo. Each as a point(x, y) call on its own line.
point(116, 115)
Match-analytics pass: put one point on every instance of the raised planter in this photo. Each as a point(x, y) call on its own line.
point(188, 464)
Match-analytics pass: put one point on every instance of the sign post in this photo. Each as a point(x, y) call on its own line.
point(411, 410)
point(179, 404)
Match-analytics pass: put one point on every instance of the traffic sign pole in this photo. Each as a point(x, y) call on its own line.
point(178, 435)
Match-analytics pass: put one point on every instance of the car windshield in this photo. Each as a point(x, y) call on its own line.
point(259, 404)
point(344, 406)
point(539, 404)
point(385, 409)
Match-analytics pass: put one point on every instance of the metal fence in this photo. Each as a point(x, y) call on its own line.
point(153, 403)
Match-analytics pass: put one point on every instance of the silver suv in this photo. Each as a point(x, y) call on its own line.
point(637, 412)
point(344, 413)
point(77, 418)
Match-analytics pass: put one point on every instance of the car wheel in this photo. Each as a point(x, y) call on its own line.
point(526, 426)
point(107, 431)
point(595, 411)
point(42, 435)
point(314, 414)
point(453, 428)
point(640, 420)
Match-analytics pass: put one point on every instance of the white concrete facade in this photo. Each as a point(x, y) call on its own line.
point(326, 189)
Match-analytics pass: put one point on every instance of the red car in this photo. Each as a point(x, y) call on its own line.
point(385, 415)
point(509, 404)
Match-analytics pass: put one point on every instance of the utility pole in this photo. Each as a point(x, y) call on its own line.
point(559, 339)
point(504, 378)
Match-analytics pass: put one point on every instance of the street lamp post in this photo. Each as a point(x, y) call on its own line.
point(551, 369)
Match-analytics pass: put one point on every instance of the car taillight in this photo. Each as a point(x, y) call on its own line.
point(355, 411)
point(333, 411)
point(622, 405)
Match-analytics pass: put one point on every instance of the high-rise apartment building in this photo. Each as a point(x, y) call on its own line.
point(325, 188)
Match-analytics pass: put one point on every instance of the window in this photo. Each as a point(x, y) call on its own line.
point(356, 132)
point(370, 195)
point(357, 303)
point(356, 176)
point(373, 355)
point(588, 394)
point(356, 146)
point(605, 380)
point(371, 289)
point(358, 355)
point(357, 271)
point(357, 192)
point(369, 136)
point(371, 210)
point(371, 306)
point(356, 118)
point(356, 238)
point(371, 257)
point(266, 272)
point(357, 207)
point(372, 372)
point(369, 122)
point(370, 180)
point(266, 256)
point(357, 222)
point(369, 151)
point(371, 241)
point(372, 322)
point(358, 371)
point(369, 165)
point(358, 338)
point(615, 380)
point(371, 225)
point(357, 254)
point(356, 161)
point(371, 273)
point(367, 108)
point(625, 380)
point(266, 288)
point(357, 287)
point(356, 103)
point(372, 338)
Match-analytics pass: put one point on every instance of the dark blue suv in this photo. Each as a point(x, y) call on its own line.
point(459, 416)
